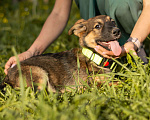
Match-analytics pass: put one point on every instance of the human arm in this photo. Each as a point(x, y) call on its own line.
point(142, 27)
point(52, 28)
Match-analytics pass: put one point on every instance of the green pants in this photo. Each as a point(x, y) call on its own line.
point(124, 12)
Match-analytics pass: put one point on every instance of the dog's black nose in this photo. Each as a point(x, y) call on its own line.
point(116, 32)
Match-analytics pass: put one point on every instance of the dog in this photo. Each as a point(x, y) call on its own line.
point(67, 68)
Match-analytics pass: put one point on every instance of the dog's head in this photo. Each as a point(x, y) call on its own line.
point(99, 30)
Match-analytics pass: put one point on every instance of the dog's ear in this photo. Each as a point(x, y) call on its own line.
point(78, 28)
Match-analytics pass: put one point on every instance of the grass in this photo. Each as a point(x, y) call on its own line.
point(20, 24)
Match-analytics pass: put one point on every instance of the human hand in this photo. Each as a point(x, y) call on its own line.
point(13, 61)
point(127, 47)
point(124, 50)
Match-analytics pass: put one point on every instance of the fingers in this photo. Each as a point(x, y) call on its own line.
point(134, 52)
point(129, 46)
point(10, 62)
point(105, 53)
point(13, 61)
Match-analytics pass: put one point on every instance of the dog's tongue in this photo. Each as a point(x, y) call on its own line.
point(115, 47)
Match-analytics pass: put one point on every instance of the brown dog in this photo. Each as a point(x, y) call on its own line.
point(61, 69)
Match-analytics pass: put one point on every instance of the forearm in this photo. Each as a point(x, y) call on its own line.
point(52, 28)
point(50, 31)
point(142, 27)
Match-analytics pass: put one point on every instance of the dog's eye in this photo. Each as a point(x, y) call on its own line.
point(97, 26)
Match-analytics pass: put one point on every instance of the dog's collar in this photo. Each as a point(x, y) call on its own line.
point(99, 60)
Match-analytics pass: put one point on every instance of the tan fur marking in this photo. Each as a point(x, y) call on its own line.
point(107, 18)
point(42, 76)
point(90, 41)
point(99, 20)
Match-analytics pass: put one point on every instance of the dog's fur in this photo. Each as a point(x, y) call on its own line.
point(60, 69)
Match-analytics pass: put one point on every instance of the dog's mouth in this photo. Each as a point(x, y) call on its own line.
point(112, 45)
